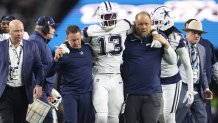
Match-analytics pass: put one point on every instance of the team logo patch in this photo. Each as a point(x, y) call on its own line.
point(120, 82)
point(81, 52)
point(97, 80)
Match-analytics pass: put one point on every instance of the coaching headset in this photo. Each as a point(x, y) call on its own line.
point(45, 28)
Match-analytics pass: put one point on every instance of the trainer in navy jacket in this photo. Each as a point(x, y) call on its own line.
point(76, 80)
point(141, 71)
point(141, 66)
point(76, 70)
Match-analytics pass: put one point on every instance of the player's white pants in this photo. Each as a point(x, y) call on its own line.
point(107, 97)
point(171, 94)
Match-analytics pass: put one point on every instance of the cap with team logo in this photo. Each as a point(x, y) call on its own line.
point(42, 21)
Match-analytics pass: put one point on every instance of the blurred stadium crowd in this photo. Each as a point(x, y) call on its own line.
point(28, 11)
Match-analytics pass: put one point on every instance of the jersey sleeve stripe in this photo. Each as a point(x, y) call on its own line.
point(128, 22)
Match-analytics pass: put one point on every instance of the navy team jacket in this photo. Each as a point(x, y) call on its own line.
point(141, 67)
point(76, 71)
point(47, 59)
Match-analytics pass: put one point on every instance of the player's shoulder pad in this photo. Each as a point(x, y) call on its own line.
point(4, 36)
point(92, 30)
point(178, 33)
point(123, 25)
point(175, 36)
point(183, 41)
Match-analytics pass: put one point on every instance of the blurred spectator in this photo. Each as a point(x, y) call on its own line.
point(5, 23)
point(5, 28)
point(1, 25)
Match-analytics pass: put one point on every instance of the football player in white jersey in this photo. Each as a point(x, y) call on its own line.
point(5, 28)
point(163, 20)
point(107, 41)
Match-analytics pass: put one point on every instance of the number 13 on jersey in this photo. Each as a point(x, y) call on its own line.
point(111, 45)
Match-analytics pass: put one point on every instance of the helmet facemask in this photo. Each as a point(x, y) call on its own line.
point(157, 24)
point(108, 21)
point(107, 15)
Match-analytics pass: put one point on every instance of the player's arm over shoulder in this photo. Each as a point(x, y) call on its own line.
point(86, 37)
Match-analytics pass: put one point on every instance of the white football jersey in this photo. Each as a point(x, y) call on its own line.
point(108, 46)
point(167, 70)
point(6, 36)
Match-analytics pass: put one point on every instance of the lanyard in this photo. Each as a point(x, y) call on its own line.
point(17, 55)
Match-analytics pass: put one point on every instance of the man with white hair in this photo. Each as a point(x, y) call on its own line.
point(197, 54)
point(44, 32)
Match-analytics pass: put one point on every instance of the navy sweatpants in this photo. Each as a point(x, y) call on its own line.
point(78, 108)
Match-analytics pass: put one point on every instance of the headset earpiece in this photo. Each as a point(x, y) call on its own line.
point(45, 28)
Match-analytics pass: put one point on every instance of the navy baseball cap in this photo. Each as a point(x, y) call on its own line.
point(46, 19)
point(2, 18)
point(8, 18)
